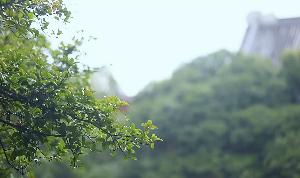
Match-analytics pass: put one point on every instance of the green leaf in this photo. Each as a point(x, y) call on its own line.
point(10, 12)
point(48, 145)
point(9, 22)
point(100, 140)
point(113, 153)
point(31, 175)
point(45, 74)
point(13, 155)
point(14, 78)
point(21, 29)
point(153, 137)
point(59, 32)
point(104, 146)
point(60, 146)
point(152, 145)
point(36, 32)
point(20, 15)
point(149, 122)
point(83, 140)
point(153, 127)
point(45, 25)
point(30, 15)
point(132, 126)
point(93, 147)
point(40, 61)
point(134, 158)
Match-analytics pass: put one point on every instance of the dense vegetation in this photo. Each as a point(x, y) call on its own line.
point(224, 115)
point(47, 109)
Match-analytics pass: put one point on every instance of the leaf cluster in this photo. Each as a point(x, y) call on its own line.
point(47, 110)
point(19, 16)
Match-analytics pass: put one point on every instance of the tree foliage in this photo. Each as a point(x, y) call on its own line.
point(19, 15)
point(223, 115)
point(290, 71)
point(47, 110)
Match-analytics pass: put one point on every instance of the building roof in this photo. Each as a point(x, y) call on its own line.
point(268, 36)
point(289, 21)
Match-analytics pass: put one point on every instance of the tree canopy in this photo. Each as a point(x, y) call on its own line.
point(47, 109)
point(223, 115)
point(18, 16)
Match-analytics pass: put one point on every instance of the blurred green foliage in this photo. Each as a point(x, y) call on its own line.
point(223, 115)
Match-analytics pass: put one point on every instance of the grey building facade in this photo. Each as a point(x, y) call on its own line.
point(268, 36)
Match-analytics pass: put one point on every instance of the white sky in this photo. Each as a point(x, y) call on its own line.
point(145, 40)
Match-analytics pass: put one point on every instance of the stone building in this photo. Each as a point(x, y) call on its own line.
point(268, 36)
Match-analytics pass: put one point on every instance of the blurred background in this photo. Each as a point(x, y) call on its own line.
point(220, 79)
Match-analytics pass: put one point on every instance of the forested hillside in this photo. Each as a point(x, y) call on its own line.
point(224, 115)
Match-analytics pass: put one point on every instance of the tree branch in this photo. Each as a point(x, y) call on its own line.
point(34, 131)
point(8, 162)
point(75, 117)
point(112, 136)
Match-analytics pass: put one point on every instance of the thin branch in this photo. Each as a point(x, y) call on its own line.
point(75, 117)
point(34, 131)
point(111, 135)
point(8, 162)
point(90, 138)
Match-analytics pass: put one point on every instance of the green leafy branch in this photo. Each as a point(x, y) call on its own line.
point(43, 103)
